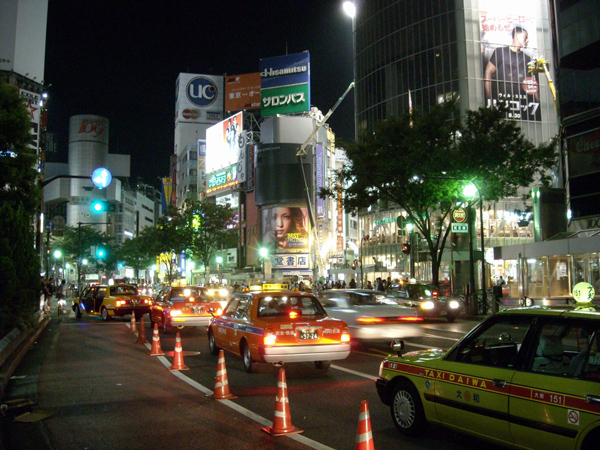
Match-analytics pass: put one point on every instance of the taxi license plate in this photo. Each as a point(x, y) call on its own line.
point(306, 335)
point(443, 313)
point(198, 310)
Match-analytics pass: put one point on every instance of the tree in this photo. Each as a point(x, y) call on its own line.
point(19, 205)
point(167, 240)
point(422, 161)
point(134, 253)
point(210, 227)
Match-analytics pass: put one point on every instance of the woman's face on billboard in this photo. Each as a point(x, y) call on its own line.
point(282, 219)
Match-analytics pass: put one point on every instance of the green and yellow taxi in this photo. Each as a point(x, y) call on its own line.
point(110, 301)
point(527, 378)
point(273, 325)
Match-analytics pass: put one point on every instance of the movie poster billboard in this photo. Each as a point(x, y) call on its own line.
point(226, 145)
point(508, 44)
point(285, 228)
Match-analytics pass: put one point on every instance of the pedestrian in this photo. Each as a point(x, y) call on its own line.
point(352, 284)
point(379, 284)
point(501, 281)
point(369, 285)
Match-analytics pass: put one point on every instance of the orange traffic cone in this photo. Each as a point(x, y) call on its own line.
point(178, 356)
point(221, 382)
point(133, 328)
point(364, 434)
point(156, 350)
point(142, 333)
point(282, 421)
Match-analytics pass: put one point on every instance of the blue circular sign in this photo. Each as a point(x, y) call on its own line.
point(201, 91)
point(101, 177)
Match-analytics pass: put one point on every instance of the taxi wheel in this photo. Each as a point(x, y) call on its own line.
point(407, 410)
point(77, 311)
point(212, 345)
point(246, 357)
point(322, 365)
point(104, 314)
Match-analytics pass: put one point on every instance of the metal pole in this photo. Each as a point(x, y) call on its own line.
point(472, 293)
point(483, 278)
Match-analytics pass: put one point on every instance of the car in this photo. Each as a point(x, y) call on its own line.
point(426, 300)
point(111, 301)
point(220, 294)
point(279, 326)
point(182, 306)
point(370, 315)
point(526, 378)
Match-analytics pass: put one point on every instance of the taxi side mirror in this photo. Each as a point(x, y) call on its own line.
point(397, 347)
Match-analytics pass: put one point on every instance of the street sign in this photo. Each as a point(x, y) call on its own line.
point(460, 227)
point(49, 226)
point(459, 215)
point(101, 177)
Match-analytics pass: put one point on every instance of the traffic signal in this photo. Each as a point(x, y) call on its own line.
point(353, 265)
point(98, 206)
point(406, 248)
point(100, 252)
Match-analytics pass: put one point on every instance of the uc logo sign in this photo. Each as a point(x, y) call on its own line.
point(201, 91)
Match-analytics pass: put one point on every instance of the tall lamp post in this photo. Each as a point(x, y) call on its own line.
point(263, 252)
point(469, 191)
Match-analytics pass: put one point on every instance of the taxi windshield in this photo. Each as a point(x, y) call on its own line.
point(282, 306)
point(124, 290)
point(185, 294)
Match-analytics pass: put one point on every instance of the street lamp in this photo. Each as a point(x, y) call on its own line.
point(349, 7)
point(469, 191)
point(263, 252)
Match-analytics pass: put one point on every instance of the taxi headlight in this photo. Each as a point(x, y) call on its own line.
point(454, 304)
point(223, 292)
point(175, 312)
point(211, 292)
point(427, 305)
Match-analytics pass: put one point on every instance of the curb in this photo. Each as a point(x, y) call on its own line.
point(13, 348)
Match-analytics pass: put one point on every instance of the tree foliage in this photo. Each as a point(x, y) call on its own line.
point(422, 161)
point(19, 205)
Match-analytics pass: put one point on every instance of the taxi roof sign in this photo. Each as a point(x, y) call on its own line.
point(269, 287)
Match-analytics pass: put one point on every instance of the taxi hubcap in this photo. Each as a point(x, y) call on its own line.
point(404, 409)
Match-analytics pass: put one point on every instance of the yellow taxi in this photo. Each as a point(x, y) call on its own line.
point(278, 326)
point(111, 301)
point(182, 306)
point(527, 378)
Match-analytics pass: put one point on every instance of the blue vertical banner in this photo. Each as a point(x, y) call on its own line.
point(320, 179)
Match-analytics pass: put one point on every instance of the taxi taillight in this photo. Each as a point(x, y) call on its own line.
point(122, 302)
point(345, 337)
point(269, 337)
point(219, 312)
point(411, 318)
point(369, 320)
point(175, 312)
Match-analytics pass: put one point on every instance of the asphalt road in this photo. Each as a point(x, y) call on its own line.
point(101, 390)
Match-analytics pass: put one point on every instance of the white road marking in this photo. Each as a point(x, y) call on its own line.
point(246, 412)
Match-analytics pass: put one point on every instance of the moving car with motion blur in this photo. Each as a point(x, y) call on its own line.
point(111, 301)
point(370, 315)
point(426, 300)
point(183, 306)
point(526, 378)
point(279, 326)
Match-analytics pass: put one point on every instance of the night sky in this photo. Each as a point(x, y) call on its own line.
point(121, 59)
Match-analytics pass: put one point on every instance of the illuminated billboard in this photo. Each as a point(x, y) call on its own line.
point(226, 145)
point(285, 84)
point(285, 228)
point(508, 44)
point(242, 92)
point(200, 98)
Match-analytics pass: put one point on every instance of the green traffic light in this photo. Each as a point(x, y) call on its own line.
point(100, 253)
point(98, 206)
